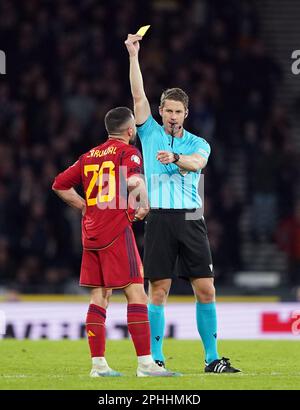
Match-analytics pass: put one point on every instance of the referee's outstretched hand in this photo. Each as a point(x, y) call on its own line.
point(133, 44)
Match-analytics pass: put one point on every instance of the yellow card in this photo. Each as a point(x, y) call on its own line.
point(143, 30)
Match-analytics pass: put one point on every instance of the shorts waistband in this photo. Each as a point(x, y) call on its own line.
point(172, 211)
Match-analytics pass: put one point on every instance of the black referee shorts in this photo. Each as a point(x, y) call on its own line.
point(175, 246)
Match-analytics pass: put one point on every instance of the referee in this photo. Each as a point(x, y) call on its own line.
point(173, 160)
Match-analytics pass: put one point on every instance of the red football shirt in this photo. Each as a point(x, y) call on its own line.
point(103, 172)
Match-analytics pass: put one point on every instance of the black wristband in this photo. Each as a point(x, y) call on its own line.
point(176, 157)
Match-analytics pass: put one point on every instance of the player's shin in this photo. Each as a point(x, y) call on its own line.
point(157, 327)
point(139, 329)
point(207, 327)
point(95, 328)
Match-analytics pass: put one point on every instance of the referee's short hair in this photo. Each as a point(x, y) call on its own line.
point(175, 94)
point(116, 118)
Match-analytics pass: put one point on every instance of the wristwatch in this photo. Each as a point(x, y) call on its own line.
point(176, 157)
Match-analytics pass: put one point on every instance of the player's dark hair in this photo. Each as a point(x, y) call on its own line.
point(175, 94)
point(116, 118)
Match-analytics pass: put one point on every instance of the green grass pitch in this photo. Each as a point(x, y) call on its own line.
point(65, 365)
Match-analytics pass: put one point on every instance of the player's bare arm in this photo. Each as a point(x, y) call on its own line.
point(141, 104)
point(193, 162)
point(72, 198)
point(138, 195)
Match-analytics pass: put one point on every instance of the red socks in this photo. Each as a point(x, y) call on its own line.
point(138, 326)
point(139, 329)
point(95, 328)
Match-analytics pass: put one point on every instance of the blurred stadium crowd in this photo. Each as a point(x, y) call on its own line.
point(67, 66)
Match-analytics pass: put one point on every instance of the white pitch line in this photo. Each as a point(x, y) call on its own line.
point(197, 375)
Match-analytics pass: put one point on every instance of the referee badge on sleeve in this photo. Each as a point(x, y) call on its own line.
point(203, 153)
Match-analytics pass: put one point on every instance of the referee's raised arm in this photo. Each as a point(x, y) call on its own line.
point(141, 104)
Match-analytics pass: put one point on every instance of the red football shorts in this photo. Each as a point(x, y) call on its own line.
point(115, 266)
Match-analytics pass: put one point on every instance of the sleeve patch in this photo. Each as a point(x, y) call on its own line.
point(135, 159)
point(203, 152)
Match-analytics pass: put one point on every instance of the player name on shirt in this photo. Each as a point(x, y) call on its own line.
point(96, 153)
